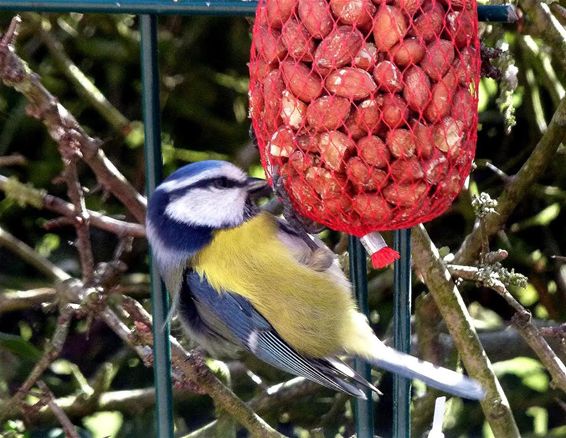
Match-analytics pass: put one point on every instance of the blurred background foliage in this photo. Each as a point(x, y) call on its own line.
point(204, 115)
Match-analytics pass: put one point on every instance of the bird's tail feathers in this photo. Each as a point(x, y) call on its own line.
point(438, 377)
point(346, 370)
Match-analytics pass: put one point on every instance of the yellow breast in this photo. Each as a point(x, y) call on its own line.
point(307, 308)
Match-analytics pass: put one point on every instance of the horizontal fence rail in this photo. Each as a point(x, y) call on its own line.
point(498, 13)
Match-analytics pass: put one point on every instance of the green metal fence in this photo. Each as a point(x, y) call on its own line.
point(148, 11)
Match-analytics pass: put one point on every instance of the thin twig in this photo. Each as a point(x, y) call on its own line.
point(545, 25)
point(428, 326)
point(559, 12)
point(28, 195)
point(275, 397)
point(335, 415)
point(130, 402)
point(76, 195)
point(492, 167)
point(11, 301)
point(540, 60)
point(495, 256)
point(430, 266)
point(505, 343)
point(80, 81)
point(193, 367)
point(26, 253)
point(9, 38)
point(473, 273)
point(54, 347)
point(558, 331)
point(521, 183)
point(284, 394)
point(12, 160)
point(68, 427)
point(61, 124)
point(522, 321)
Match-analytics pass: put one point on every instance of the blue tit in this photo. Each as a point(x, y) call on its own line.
point(243, 279)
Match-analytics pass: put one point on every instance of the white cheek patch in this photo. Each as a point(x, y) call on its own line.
point(202, 207)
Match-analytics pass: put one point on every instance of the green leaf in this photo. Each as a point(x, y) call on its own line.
point(104, 424)
point(20, 347)
point(558, 432)
point(62, 366)
point(530, 371)
point(541, 219)
point(49, 243)
point(527, 296)
point(484, 318)
point(487, 90)
point(540, 420)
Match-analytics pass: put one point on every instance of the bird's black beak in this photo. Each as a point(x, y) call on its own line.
point(258, 187)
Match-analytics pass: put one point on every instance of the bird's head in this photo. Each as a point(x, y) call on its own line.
point(194, 201)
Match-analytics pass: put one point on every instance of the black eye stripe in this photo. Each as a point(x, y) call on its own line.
point(220, 182)
point(223, 183)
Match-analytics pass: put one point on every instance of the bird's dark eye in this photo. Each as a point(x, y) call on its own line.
point(223, 183)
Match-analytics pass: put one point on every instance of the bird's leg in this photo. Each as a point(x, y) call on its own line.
point(298, 223)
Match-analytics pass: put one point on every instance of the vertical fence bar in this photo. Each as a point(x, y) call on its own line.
point(363, 409)
point(153, 166)
point(402, 332)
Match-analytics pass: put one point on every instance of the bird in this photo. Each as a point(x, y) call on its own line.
point(243, 279)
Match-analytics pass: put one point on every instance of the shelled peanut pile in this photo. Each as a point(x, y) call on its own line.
point(366, 109)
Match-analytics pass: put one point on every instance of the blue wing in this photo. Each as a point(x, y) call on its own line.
point(230, 318)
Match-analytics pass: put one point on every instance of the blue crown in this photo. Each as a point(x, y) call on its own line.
point(194, 169)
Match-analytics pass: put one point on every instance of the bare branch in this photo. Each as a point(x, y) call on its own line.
point(522, 320)
point(50, 354)
point(12, 160)
point(28, 195)
point(9, 38)
point(506, 343)
point(558, 331)
point(80, 81)
point(284, 393)
point(545, 25)
point(429, 265)
point(522, 182)
point(68, 427)
point(75, 192)
point(541, 62)
point(499, 345)
point(19, 300)
point(559, 12)
point(193, 368)
point(495, 256)
point(275, 397)
point(187, 366)
point(26, 253)
point(61, 124)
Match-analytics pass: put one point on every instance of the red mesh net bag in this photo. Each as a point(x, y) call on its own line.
point(366, 111)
